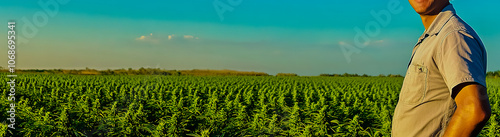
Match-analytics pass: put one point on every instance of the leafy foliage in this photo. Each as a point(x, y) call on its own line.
point(117, 105)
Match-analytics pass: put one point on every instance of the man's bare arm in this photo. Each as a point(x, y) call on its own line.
point(472, 113)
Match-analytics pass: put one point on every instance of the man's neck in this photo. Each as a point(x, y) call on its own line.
point(427, 20)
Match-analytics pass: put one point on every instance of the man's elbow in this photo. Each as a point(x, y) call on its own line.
point(473, 103)
point(483, 108)
point(477, 112)
point(483, 115)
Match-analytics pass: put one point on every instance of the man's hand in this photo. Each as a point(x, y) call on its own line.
point(472, 113)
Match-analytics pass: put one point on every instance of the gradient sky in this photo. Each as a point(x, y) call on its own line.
point(302, 37)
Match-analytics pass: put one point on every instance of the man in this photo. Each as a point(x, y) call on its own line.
point(444, 90)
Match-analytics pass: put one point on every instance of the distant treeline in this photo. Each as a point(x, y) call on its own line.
point(357, 75)
point(194, 72)
point(198, 72)
point(286, 74)
point(145, 71)
point(495, 74)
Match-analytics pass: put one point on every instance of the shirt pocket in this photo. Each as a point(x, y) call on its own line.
point(415, 83)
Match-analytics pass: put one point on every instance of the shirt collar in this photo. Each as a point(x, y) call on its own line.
point(439, 22)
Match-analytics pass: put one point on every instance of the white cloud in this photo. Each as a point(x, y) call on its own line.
point(141, 38)
point(147, 38)
point(173, 36)
point(379, 41)
point(157, 39)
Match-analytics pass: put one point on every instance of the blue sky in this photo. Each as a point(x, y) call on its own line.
point(300, 37)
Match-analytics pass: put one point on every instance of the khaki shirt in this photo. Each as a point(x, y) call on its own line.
point(447, 54)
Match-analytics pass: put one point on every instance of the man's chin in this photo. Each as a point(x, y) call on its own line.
point(427, 13)
point(423, 11)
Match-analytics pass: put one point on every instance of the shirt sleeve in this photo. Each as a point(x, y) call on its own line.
point(463, 59)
